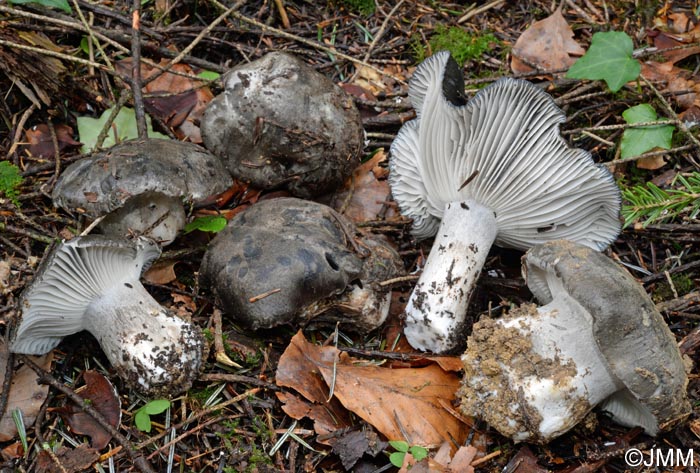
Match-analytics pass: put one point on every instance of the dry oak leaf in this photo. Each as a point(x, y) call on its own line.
point(548, 44)
point(400, 403)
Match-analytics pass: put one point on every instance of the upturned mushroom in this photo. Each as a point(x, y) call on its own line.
point(281, 124)
point(598, 340)
point(493, 169)
point(289, 261)
point(92, 283)
point(142, 186)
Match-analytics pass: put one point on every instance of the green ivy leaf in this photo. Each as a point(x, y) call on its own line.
point(124, 127)
point(636, 141)
point(142, 421)
point(396, 458)
point(208, 223)
point(156, 407)
point(608, 58)
point(60, 4)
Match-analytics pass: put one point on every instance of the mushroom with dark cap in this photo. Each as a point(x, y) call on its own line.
point(291, 261)
point(281, 124)
point(597, 341)
point(142, 186)
point(494, 168)
point(92, 283)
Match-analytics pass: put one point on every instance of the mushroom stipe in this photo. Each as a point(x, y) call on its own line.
point(92, 283)
point(493, 169)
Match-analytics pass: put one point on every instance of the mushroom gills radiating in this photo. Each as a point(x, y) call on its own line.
point(491, 170)
point(92, 283)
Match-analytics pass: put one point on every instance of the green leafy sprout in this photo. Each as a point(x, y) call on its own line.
point(10, 180)
point(207, 223)
point(60, 4)
point(608, 58)
point(401, 447)
point(142, 417)
point(655, 205)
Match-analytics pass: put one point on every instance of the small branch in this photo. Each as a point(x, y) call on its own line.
point(139, 109)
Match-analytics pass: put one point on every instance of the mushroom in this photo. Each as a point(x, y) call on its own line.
point(493, 169)
point(598, 340)
point(291, 261)
point(281, 124)
point(92, 283)
point(141, 186)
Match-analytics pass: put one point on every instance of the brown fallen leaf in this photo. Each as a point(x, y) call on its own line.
point(548, 44)
point(41, 143)
point(363, 194)
point(25, 393)
point(73, 460)
point(328, 417)
point(651, 163)
point(353, 445)
point(162, 272)
point(177, 100)
point(399, 403)
point(103, 397)
point(524, 462)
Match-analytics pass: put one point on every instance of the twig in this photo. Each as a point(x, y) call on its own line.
point(46, 378)
point(308, 42)
point(477, 11)
point(20, 128)
point(26, 233)
point(377, 37)
point(221, 355)
point(139, 109)
point(681, 125)
point(237, 378)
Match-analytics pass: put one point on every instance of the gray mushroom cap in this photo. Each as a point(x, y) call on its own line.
point(281, 124)
point(288, 261)
point(92, 283)
point(630, 332)
point(142, 185)
point(598, 340)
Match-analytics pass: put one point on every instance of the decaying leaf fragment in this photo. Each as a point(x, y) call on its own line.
point(548, 44)
point(25, 393)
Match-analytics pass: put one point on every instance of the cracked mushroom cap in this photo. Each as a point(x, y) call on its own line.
point(289, 261)
point(92, 283)
point(141, 186)
point(281, 124)
point(503, 150)
point(630, 332)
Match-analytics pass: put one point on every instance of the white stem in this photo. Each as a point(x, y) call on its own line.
point(437, 307)
point(580, 379)
point(148, 345)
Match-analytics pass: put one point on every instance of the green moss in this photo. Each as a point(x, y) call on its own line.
point(10, 180)
point(462, 45)
point(363, 7)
